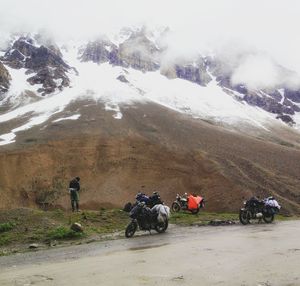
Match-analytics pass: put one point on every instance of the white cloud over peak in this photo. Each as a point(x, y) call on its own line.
point(268, 26)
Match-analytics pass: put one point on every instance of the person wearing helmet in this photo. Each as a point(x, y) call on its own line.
point(74, 188)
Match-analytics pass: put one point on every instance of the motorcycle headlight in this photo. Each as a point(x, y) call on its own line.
point(244, 202)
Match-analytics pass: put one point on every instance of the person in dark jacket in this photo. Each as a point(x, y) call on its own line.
point(74, 188)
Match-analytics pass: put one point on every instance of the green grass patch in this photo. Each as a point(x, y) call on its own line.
point(7, 226)
point(187, 218)
point(20, 227)
point(64, 233)
point(105, 221)
point(281, 217)
point(4, 239)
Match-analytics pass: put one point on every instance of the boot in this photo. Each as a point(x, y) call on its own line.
point(77, 207)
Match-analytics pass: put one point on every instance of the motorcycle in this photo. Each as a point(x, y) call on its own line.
point(145, 218)
point(188, 203)
point(259, 209)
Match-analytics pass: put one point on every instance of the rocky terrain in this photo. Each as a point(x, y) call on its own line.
point(4, 79)
point(137, 52)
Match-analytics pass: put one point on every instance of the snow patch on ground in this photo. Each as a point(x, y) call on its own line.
point(7, 138)
point(296, 119)
point(116, 108)
point(209, 102)
point(19, 81)
point(18, 87)
point(281, 91)
point(73, 117)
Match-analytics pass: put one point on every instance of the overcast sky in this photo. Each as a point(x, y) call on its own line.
point(269, 26)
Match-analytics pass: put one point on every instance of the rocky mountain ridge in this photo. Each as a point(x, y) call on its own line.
point(44, 64)
point(48, 69)
point(140, 53)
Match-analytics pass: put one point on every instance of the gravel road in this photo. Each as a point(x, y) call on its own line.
point(259, 254)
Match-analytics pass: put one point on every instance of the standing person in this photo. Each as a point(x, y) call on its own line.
point(74, 188)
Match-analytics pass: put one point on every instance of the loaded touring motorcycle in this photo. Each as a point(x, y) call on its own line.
point(259, 209)
point(144, 218)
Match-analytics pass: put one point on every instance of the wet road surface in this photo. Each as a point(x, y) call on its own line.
point(259, 254)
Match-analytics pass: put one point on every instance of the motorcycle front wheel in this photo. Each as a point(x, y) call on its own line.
point(162, 226)
point(130, 229)
point(268, 218)
point(175, 207)
point(244, 217)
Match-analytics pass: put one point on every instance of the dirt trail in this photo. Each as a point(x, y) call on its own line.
point(252, 255)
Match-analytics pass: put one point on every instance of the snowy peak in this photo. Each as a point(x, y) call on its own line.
point(127, 71)
point(135, 50)
point(139, 52)
point(44, 64)
point(195, 71)
point(99, 51)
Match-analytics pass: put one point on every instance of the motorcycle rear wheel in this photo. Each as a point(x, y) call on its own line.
point(268, 218)
point(162, 226)
point(244, 217)
point(130, 229)
point(175, 207)
point(195, 211)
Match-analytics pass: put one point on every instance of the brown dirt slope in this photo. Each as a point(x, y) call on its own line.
point(151, 148)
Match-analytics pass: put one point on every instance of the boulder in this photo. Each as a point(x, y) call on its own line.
point(77, 227)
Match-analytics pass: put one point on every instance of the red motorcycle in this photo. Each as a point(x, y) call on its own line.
point(191, 203)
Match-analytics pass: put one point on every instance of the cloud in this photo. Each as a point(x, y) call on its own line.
point(260, 71)
point(269, 27)
point(257, 71)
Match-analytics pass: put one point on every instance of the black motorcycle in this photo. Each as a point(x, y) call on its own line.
point(144, 219)
point(258, 209)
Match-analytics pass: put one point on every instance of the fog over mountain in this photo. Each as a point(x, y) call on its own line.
point(266, 28)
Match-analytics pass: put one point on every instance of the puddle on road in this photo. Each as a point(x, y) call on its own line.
point(294, 249)
point(147, 247)
point(262, 230)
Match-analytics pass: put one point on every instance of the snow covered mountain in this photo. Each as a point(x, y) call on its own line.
point(137, 115)
point(40, 77)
